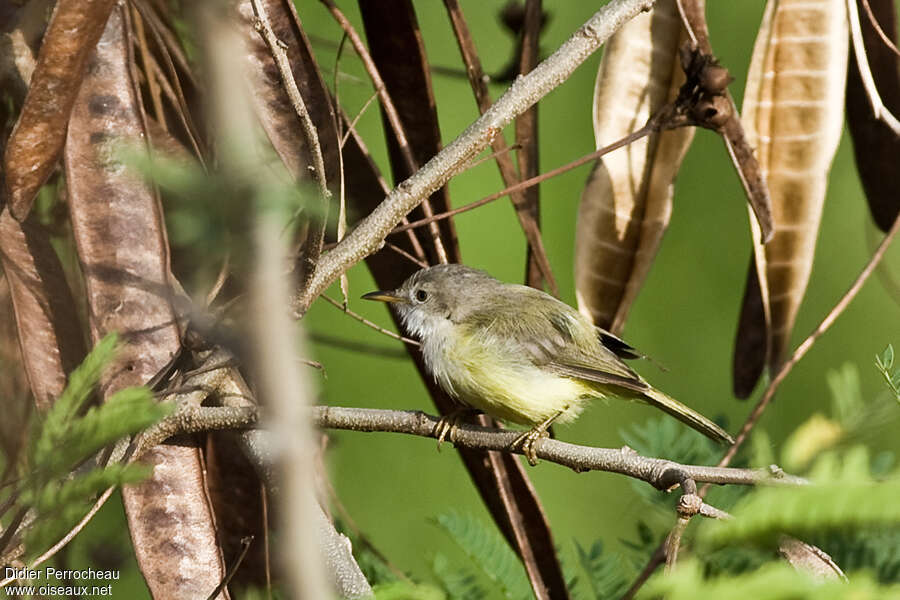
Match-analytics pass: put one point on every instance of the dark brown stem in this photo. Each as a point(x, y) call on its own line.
point(508, 173)
point(390, 111)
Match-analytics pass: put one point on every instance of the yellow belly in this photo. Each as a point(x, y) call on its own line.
point(504, 386)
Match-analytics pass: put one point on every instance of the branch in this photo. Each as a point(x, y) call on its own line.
point(523, 93)
point(657, 472)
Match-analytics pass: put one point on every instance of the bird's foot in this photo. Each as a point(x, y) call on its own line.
point(447, 425)
point(526, 441)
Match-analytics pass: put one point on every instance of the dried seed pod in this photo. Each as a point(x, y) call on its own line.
point(627, 202)
point(793, 116)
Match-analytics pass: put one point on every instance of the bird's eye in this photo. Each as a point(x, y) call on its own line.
point(421, 295)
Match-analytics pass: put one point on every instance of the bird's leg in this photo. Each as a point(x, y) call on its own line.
point(448, 424)
point(526, 441)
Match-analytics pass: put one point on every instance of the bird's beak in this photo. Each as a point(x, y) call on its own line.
point(385, 297)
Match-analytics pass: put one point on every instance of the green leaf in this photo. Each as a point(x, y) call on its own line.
point(846, 395)
point(489, 552)
point(402, 590)
point(774, 581)
point(78, 389)
point(843, 496)
point(884, 363)
point(459, 584)
point(886, 360)
point(605, 573)
point(60, 505)
point(126, 412)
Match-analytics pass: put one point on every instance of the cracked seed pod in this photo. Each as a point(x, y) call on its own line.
point(627, 202)
point(793, 115)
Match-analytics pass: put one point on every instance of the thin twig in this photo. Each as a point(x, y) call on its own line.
point(631, 137)
point(477, 81)
point(659, 555)
point(245, 546)
point(342, 211)
point(351, 127)
point(367, 236)
point(492, 156)
point(351, 131)
point(390, 112)
point(693, 16)
point(880, 111)
point(527, 135)
point(875, 24)
point(805, 346)
point(656, 559)
point(220, 281)
point(406, 255)
point(673, 542)
point(279, 54)
point(369, 323)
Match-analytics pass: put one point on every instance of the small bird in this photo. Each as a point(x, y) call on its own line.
point(519, 354)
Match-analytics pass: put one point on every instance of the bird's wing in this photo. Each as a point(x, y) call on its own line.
point(555, 336)
point(620, 347)
point(597, 376)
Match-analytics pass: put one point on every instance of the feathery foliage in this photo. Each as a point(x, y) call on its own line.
point(885, 364)
point(774, 581)
point(607, 577)
point(843, 495)
point(57, 483)
point(489, 552)
point(402, 590)
point(459, 583)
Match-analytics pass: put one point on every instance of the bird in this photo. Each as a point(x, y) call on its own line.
point(520, 355)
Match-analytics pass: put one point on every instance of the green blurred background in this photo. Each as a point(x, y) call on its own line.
point(394, 486)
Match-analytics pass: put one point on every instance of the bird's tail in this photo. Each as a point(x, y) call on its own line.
point(687, 415)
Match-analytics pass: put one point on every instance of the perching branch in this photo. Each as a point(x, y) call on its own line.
point(523, 93)
point(655, 471)
point(658, 472)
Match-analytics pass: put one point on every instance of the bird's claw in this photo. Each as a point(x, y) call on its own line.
point(447, 425)
point(526, 442)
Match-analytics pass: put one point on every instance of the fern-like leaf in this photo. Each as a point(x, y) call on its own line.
point(774, 581)
point(78, 389)
point(458, 584)
point(843, 495)
point(606, 575)
point(489, 552)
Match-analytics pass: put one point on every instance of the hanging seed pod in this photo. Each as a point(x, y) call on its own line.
point(627, 202)
point(793, 115)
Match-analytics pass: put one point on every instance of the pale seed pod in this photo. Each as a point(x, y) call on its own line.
point(793, 115)
point(627, 201)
